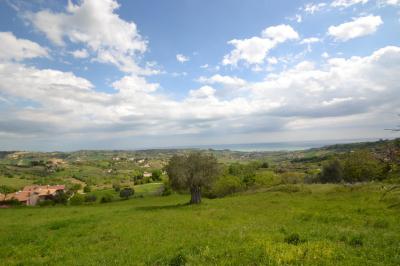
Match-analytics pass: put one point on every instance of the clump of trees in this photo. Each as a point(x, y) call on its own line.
point(194, 172)
point(358, 166)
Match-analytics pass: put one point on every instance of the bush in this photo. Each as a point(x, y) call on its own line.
point(167, 190)
point(356, 241)
point(106, 198)
point(61, 198)
point(87, 189)
point(292, 178)
point(77, 199)
point(90, 198)
point(75, 187)
point(332, 172)
point(226, 185)
point(266, 178)
point(156, 174)
point(126, 193)
point(361, 166)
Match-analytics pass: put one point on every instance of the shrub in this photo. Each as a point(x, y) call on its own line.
point(361, 166)
point(61, 198)
point(87, 189)
point(106, 198)
point(90, 198)
point(292, 178)
point(225, 185)
point(167, 190)
point(156, 174)
point(77, 199)
point(266, 178)
point(75, 187)
point(332, 172)
point(126, 193)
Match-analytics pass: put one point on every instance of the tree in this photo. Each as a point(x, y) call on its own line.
point(156, 174)
point(194, 171)
point(332, 172)
point(361, 166)
point(6, 190)
point(126, 193)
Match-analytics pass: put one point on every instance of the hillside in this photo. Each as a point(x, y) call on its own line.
point(317, 225)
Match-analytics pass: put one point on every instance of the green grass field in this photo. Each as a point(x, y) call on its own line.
point(319, 225)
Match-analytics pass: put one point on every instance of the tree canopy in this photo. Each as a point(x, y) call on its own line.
point(194, 171)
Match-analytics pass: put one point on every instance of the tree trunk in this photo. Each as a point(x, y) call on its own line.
point(196, 195)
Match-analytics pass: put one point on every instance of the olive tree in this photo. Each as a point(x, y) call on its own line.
point(194, 171)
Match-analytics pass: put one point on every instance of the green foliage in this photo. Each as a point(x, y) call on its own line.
point(195, 171)
point(4, 189)
point(75, 187)
point(106, 198)
point(266, 178)
point(126, 193)
point(90, 198)
point(167, 190)
point(225, 185)
point(332, 172)
point(77, 199)
point(87, 189)
point(292, 177)
point(156, 174)
point(61, 198)
point(361, 166)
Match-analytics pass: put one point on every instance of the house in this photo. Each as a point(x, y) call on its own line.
point(31, 195)
point(147, 174)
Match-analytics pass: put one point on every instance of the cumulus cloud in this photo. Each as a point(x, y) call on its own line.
point(359, 27)
point(224, 80)
point(392, 2)
point(347, 3)
point(83, 53)
point(296, 98)
point(96, 25)
point(181, 58)
point(255, 49)
point(12, 48)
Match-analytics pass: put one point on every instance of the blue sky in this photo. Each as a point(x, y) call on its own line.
point(134, 74)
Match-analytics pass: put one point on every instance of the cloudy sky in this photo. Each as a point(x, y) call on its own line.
point(108, 74)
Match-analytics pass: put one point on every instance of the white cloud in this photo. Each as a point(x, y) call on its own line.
point(313, 8)
point(96, 25)
point(325, 55)
point(181, 58)
point(347, 3)
point(299, 97)
point(392, 2)
point(310, 40)
point(254, 50)
point(80, 53)
point(204, 66)
point(357, 28)
point(224, 80)
point(12, 48)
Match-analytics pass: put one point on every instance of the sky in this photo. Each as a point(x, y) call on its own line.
point(119, 74)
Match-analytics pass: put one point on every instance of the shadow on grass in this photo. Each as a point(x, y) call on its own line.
point(162, 207)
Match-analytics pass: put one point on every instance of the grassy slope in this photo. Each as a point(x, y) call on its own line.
point(240, 230)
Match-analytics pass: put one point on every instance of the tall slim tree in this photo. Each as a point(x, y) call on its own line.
point(194, 172)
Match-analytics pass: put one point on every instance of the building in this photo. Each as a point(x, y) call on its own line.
point(31, 195)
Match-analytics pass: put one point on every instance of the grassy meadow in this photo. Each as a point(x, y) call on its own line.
point(310, 225)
